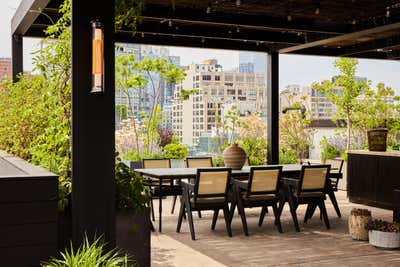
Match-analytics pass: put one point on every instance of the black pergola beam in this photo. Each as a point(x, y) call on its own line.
point(374, 46)
point(344, 37)
point(273, 108)
point(248, 21)
point(197, 42)
point(93, 126)
point(27, 12)
point(17, 56)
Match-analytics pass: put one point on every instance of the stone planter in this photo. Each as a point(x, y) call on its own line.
point(384, 239)
point(357, 225)
point(133, 236)
point(234, 157)
point(178, 163)
point(377, 139)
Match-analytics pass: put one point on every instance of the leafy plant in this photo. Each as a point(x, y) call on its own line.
point(90, 254)
point(134, 156)
point(185, 94)
point(328, 150)
point(175, 151)
point(287, 155)
point(383, 226)
point(131, 192)
point(360, 212)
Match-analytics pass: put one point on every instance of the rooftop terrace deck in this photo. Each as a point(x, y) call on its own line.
point(313, 246)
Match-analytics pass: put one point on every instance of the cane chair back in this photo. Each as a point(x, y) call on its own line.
point(199, 162)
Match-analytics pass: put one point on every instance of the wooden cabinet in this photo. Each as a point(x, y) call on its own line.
point(372, 177)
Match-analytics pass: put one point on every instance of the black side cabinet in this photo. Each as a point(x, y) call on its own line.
point(28, 213)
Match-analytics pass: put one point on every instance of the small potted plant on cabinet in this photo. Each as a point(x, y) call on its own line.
point(384, 234)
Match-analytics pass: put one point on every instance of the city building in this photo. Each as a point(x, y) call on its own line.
point(214, 88)
point(252, 62)
point(5, 68)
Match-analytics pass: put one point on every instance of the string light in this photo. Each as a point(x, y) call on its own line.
point(208, 11)
point(388, 12)
point(170, 23)
point(202, 40)
point(142, 34)
point(317, 11)
point(289, 17)
point(238, 2)
point(354, 22)
point(237, 29)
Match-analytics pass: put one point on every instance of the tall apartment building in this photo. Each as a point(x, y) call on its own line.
point(215, 88)
point(5, 68)
point(143, 101)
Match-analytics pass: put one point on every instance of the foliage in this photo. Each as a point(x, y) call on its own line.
point(360, 212)
point(383, 226)
point(252, 138)
point(185, 94)
point(35, 112)
point(121, 111)
point(287, 155)
point(295, 132)
point(343, 92)
point(135, 156)
point(228, 127)
point(127, 14)
point(218, 161)
point(175, 151)
point(90, 254)
point(131, 192)
point(166, 136)
point(328, 150)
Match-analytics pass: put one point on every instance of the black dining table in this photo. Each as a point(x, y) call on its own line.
point(288, 170)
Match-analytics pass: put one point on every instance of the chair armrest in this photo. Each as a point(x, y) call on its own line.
point(187, 186)
point(291, 182)
point(240, 184)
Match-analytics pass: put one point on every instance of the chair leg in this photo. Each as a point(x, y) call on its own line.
point(152, 209)
point(232, 211)
point(199, 213)
point(190, 216)
point(227, 222)
point(214, 221)
point(293, 208)
point(180, 217)
point(324, 213)
point(277, 217)
point(242, 216)
point(264, 210)
point(173, 205)
point(334, 202)
point(306, 216)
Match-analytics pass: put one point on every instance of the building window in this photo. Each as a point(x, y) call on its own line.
point(229, 78)
point(231, 91)
point(217, 77)
point(213, 91)
point(206, 77)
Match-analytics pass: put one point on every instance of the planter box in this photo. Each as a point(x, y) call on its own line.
point(133, 236)
point(384, 239)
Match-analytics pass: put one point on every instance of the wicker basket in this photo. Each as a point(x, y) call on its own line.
point(357, 225)
point(377, 139)
point(384, 239)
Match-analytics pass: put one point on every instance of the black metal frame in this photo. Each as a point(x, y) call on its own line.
point(190, 192)
point(242, 199)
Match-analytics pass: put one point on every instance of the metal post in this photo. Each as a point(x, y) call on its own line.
point(273, 108)
point(17, 56)
point(93, 125)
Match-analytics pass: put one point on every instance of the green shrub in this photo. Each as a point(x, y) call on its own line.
point(90, 255)
point(134, 156)
point(287, 155)
point(255, 149)
point(175, 151)
point(328, 150)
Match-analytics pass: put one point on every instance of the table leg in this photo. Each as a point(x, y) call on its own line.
point(160, 207)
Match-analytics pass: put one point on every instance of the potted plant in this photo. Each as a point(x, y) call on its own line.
point(176, 153)
point(133, 224)
point(383, 234)
point(358, 220)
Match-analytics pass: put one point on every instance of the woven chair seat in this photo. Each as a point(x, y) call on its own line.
point(258, 197)
point(208, 200)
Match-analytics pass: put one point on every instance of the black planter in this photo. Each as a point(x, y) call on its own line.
point(133, 235)
point(64, 230)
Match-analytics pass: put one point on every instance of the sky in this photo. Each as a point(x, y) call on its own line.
point(301, 70)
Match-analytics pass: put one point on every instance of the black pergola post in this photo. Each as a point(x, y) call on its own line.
point(93, 123)
point(273, 108)
point(17, 55)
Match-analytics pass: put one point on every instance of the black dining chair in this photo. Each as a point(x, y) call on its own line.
point(260, 190)
point(208, 192)
point(310, 189)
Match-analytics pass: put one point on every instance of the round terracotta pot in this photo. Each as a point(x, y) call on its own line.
point(234, 157)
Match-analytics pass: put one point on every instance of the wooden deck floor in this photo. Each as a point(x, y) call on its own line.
point(313, 246)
